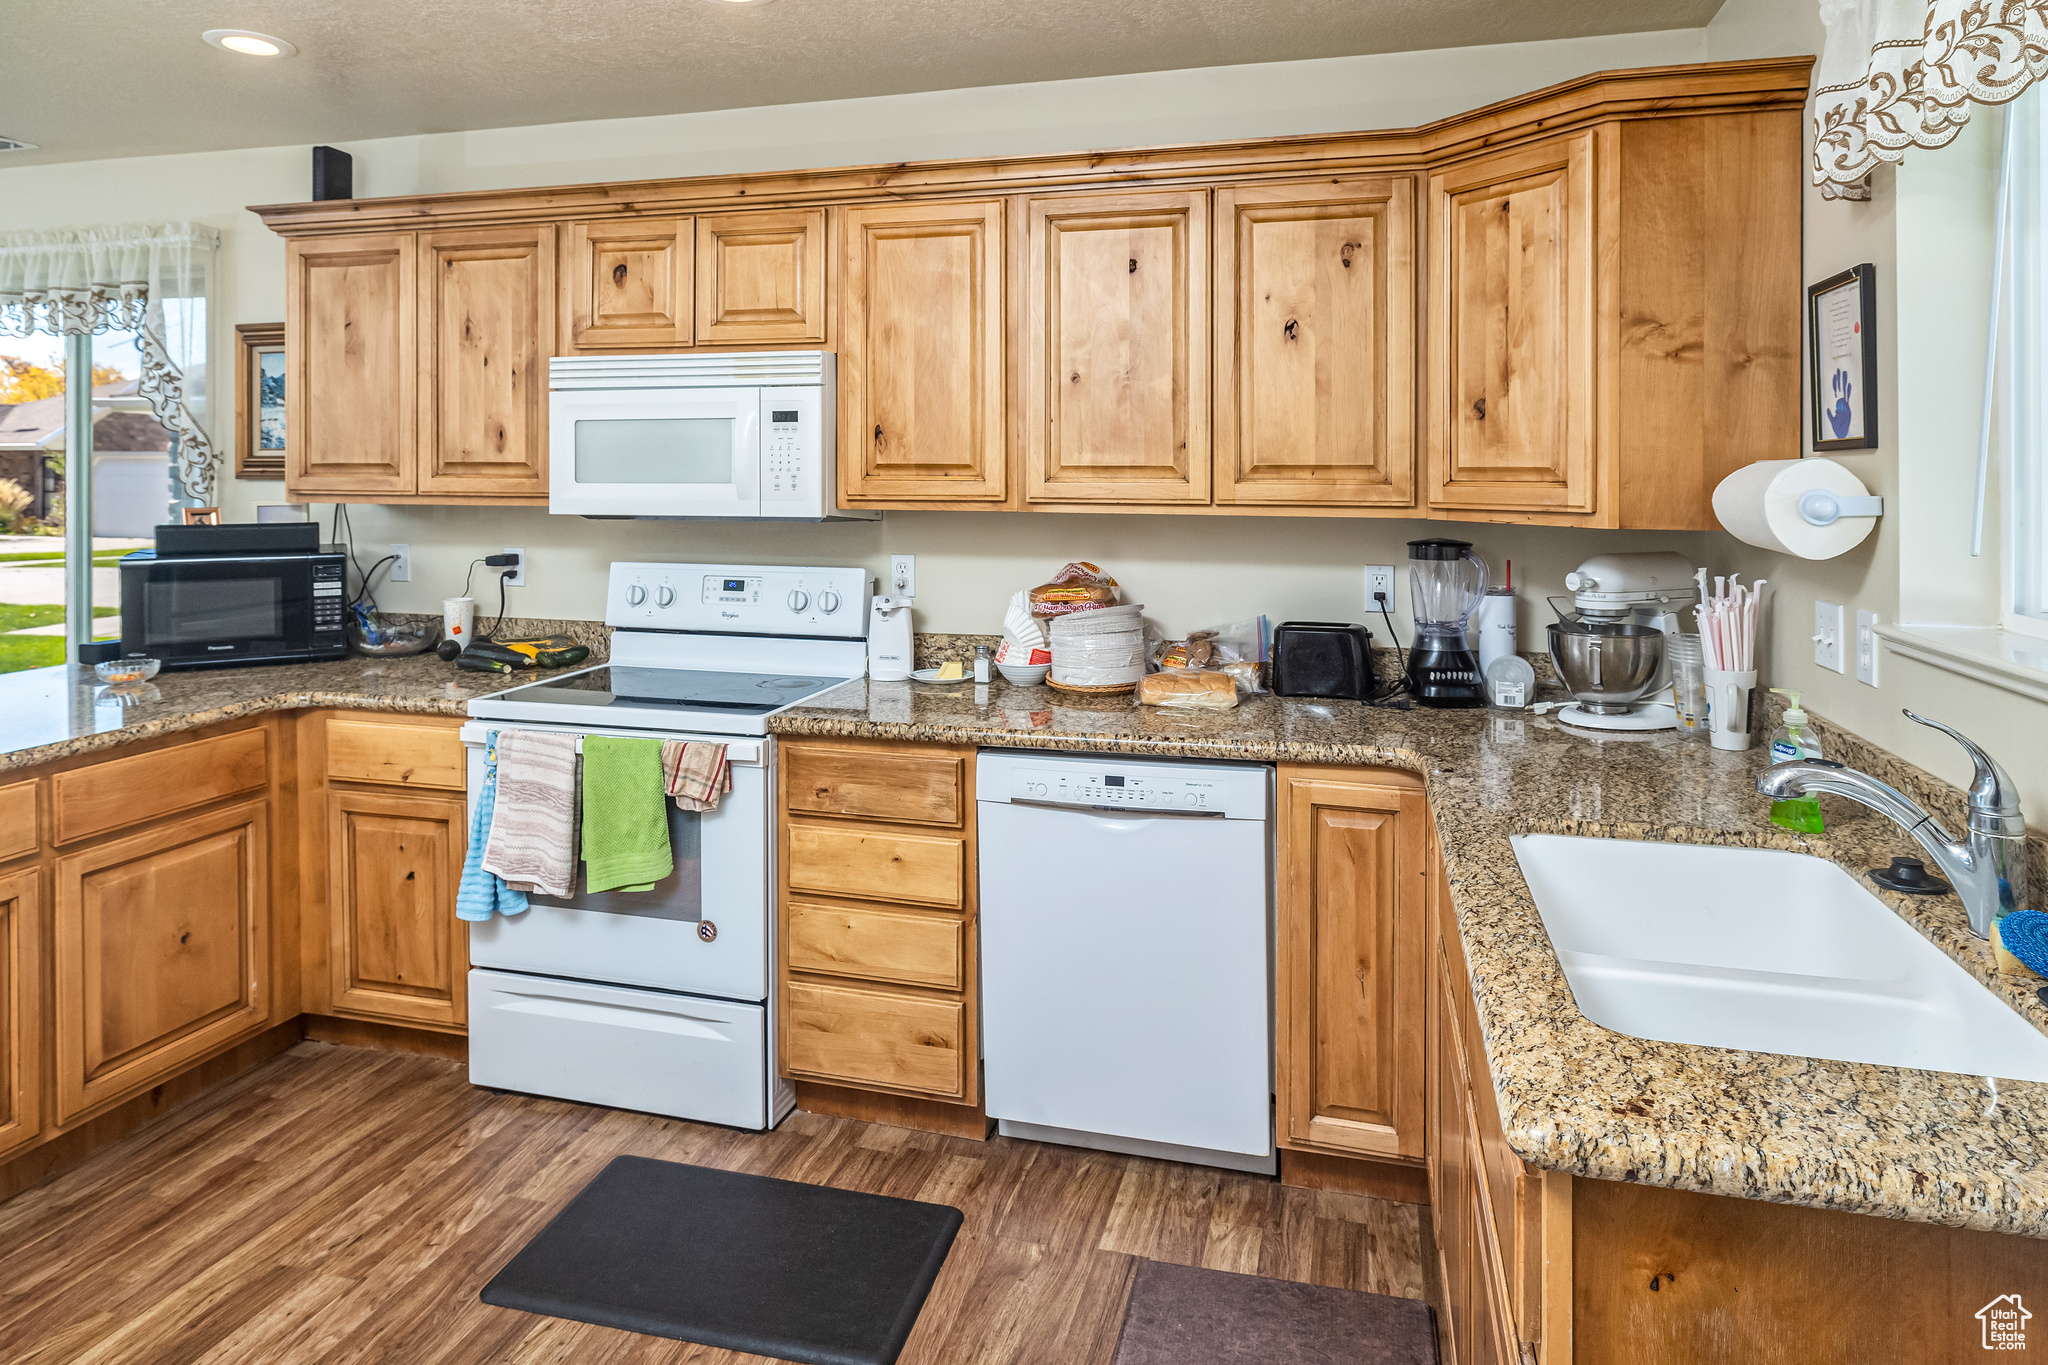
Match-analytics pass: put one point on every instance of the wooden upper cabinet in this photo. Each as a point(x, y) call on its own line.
point(1512, 368)
point(1315, 343)
point(1116, 361)
point(626, 285)
point(487, 314)
point(350, 367)
point(761, 277)
point(21, 1015)
point(921, 357)
point(1351, 1003)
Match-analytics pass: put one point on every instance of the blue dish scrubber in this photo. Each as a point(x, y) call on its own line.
point(2025, 935)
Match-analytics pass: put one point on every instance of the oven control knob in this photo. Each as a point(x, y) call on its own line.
point(664, 596)
point(828, 601)
point(706, 930)
point(798, 599)
point(635, 595)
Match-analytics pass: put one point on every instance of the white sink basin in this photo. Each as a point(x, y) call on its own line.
point(1762, 951)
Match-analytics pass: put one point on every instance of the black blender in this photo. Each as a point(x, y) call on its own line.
point(1447, 582)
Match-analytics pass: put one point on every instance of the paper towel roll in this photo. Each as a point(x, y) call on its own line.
point(1759, 504)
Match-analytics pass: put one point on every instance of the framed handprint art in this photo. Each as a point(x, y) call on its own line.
point(1841, 328)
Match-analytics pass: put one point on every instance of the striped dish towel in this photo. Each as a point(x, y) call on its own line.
point(694, 773)
point(480, 895)
point(533, 829)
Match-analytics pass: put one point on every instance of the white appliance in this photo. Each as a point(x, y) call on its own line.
point(1126, 947)
point(1654, 588)
point(701, 437)
point(891, 645)
point(661, 1000)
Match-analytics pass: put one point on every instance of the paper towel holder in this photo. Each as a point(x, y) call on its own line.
point(1818, 507)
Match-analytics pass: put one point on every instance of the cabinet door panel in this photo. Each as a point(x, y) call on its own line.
point(162, 953)
point(626, 283)
point(20, 834)
point(923, 869)
point(396, 950)
point(904, 1042)
point(876, 945)
point(350, 363)
point(1512, 337)
point(487, 321)
point(761, 277)
point(921, 352)
point(1117, 352)
point(1315, 343)
point(1352, 964)
point(926, 785)
point(21, 1019)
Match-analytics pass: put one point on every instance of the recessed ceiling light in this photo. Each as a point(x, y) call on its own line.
point(249, 44)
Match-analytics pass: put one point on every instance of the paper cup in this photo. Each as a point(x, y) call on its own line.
point(1728, 700)
point(458, 620)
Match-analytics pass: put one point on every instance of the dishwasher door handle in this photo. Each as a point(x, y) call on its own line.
point(1121, 812)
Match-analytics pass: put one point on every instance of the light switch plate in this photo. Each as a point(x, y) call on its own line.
point(1866, 647)
point(401, 564)
point(902, 577)
point(1379, 578)
point(1827, 635)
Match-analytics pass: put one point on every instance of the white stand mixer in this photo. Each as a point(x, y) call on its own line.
point(1626, 590)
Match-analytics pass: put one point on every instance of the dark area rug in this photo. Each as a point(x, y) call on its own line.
point(801, 1272)
point(1180, 1315)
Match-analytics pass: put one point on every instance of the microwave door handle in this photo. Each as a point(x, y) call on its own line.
point(746, 460)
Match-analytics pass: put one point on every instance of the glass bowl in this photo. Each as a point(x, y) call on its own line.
point(389, 638)
point(129, 668)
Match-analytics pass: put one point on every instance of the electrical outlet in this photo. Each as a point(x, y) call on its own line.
point(1379, 578)
point(1827, 635)
point(516, 577)
point(1866, 647)
point(902, 577)
point(401, 564)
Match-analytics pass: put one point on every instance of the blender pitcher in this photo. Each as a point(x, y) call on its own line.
point(1447, 582)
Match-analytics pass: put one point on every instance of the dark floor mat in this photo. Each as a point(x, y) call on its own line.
point(1180, 1315)
point(776, 1268)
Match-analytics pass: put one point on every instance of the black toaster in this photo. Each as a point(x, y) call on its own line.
point(1323, 659)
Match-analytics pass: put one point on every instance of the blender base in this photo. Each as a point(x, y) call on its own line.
point(1656, 716)
point(1444, 677)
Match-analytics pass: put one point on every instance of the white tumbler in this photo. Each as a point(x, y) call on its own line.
point(458, 620)
point(1494, 626)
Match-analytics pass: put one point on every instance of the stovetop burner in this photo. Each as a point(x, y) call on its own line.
point(679, 688)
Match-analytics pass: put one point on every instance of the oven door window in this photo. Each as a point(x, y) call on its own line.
point(229, 610)
point(678, 896)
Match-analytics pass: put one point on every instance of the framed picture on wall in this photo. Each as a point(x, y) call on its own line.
point(260, 437)
point(1841, 327)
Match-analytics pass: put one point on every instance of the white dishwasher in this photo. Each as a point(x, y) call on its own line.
point(1126, 951)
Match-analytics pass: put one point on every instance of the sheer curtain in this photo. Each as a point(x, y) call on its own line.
point(148, 278)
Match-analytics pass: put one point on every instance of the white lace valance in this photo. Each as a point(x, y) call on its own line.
point(149, 279)
point(1903, 73)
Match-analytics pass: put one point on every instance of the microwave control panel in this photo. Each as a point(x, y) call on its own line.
point(328, 595)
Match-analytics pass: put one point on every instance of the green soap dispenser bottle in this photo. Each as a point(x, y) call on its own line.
point(1791, 742)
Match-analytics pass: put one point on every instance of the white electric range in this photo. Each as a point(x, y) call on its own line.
point(662, 1000)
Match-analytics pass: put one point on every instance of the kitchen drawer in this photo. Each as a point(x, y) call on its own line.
point(127, 791)
point(904, 1042)
point(403, 755)
point(924, 869)
point(878, 945)
point(874, 784)
point(18, 832)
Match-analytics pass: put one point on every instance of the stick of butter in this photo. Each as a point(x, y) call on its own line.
point(952, 671)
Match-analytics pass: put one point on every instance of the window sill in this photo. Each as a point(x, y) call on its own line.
point(2017, 663)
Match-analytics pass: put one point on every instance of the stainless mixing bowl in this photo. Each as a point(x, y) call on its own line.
point(1607, 667)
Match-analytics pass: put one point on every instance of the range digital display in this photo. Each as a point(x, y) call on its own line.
point(735, 585)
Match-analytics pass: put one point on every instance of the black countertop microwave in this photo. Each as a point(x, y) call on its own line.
point(218, 609)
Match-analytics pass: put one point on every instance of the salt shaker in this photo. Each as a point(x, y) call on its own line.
point(981, 662)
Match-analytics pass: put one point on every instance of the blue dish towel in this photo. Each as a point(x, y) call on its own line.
point(2025, 935)
point(483, 894)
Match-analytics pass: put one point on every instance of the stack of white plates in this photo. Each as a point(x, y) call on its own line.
point(1100, 648)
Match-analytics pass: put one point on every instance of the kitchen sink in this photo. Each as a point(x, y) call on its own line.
point(1764, 951)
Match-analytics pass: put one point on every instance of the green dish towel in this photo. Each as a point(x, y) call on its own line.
point(625, 814)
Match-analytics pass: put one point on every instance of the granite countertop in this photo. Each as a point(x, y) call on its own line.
point(1926, 1146)
point(1920, 1145)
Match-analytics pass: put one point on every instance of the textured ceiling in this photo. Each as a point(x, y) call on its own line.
point(132, 78)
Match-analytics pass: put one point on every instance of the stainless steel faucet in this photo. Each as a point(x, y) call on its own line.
point(1989, 870)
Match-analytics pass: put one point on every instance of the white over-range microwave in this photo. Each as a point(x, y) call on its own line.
point(702, 437)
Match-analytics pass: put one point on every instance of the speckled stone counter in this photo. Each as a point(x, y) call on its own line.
point(1926, 1146)
point(51, 713)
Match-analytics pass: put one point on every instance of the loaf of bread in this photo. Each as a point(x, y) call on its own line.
point(1188, 687)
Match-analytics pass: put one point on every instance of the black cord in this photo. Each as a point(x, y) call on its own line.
point(466, 578)
point(364, 591)
point(1392, 696)
point(492, 633)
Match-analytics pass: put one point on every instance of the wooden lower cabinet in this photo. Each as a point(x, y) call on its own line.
point(395, 948)
point(1350, 982)
point(21, 1015)
point(877, 958)
point(162, 952)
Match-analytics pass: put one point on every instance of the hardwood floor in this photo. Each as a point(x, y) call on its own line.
point(344, 1206)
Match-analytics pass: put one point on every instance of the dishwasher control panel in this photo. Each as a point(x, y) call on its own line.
point(1102, 783)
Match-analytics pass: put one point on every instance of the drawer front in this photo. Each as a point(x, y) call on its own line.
point(875, 1038)
point(126, 791)
point(402, 755)
point(925, 789)
point(18, 832)
point(923, 869)
point(877, 945)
